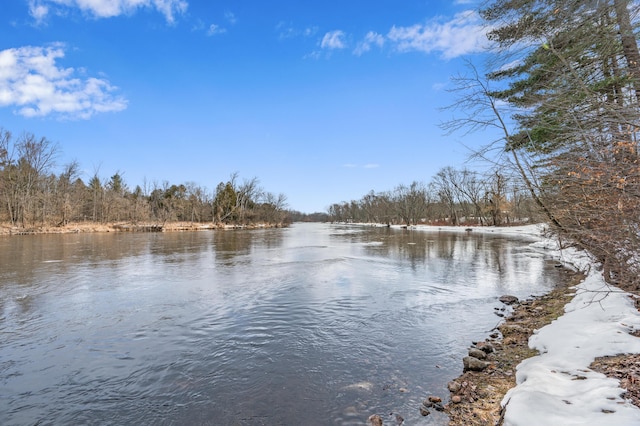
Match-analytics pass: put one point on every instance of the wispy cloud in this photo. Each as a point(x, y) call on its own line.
point(371, 39)
point(438, 87)
point(40, 9)
point(333, 40)
point(32, 82)
point(215, 29)
point(464, 34)
point(230, 17)
point(361, 166)
point(315, 55)
point(287, 30)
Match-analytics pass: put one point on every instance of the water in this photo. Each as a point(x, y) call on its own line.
point(311, 325)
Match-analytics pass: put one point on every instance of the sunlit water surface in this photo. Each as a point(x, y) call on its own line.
point(311, 325)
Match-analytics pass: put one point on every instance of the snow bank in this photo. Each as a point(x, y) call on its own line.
point(557, 387)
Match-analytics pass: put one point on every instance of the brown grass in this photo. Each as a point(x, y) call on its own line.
point(92, 227)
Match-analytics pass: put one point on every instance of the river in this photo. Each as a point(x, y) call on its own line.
point(315, 324)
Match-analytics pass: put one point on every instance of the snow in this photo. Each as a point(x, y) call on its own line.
point(557, 387)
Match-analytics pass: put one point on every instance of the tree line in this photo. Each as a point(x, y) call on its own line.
point(31, 194)
point(452, 197)
point(562, 88)
point(562, 91)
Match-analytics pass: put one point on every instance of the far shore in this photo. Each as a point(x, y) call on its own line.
point(97, 227)
point(531, 229)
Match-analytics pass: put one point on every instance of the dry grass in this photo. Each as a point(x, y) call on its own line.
point(92, 227)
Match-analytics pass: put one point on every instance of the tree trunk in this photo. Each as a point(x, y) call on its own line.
point(629, 43)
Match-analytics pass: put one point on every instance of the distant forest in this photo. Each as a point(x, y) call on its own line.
point(31, 194)
point(452, 197)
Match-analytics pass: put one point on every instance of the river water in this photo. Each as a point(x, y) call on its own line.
point(315, 324)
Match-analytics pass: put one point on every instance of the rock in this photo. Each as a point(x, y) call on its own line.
point(454, 386)
point(399, 419)
point(456, 399)
point(424, 411)
point(438, 406)
point(508, 300)
point(510, 329)
point(477, 353)
point(403, 390)
point(485, 347)
point(434, 399)
point(474, 364)
point(375, 420)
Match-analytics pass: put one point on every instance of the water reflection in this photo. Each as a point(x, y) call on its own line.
point(314, 324)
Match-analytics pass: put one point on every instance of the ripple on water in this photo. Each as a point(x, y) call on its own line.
point(312, 325)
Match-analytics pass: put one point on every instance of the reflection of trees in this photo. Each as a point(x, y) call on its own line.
point(230, 245)
point(419, 248)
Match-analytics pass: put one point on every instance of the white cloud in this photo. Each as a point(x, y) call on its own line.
point(372, 38)
point(333, 40)
point(31, 81)
point(39, 9)
point(464, 34)
point(215, 29)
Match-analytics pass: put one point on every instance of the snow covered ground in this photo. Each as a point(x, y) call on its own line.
point(557, 387)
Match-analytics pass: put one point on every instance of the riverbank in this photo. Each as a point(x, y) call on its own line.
point(569, 357)
point(476, 396)
point(96, 227)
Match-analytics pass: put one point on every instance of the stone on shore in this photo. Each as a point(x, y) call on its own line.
point(477, 353)
point(485, 347)
point(454, 386)
point(474, 364)
point(508, 300)
point(375, 420)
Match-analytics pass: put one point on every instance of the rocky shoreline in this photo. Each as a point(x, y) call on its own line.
point(489, 370)
point(476, 395)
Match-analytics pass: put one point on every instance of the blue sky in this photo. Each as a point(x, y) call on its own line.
point(321, 101)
